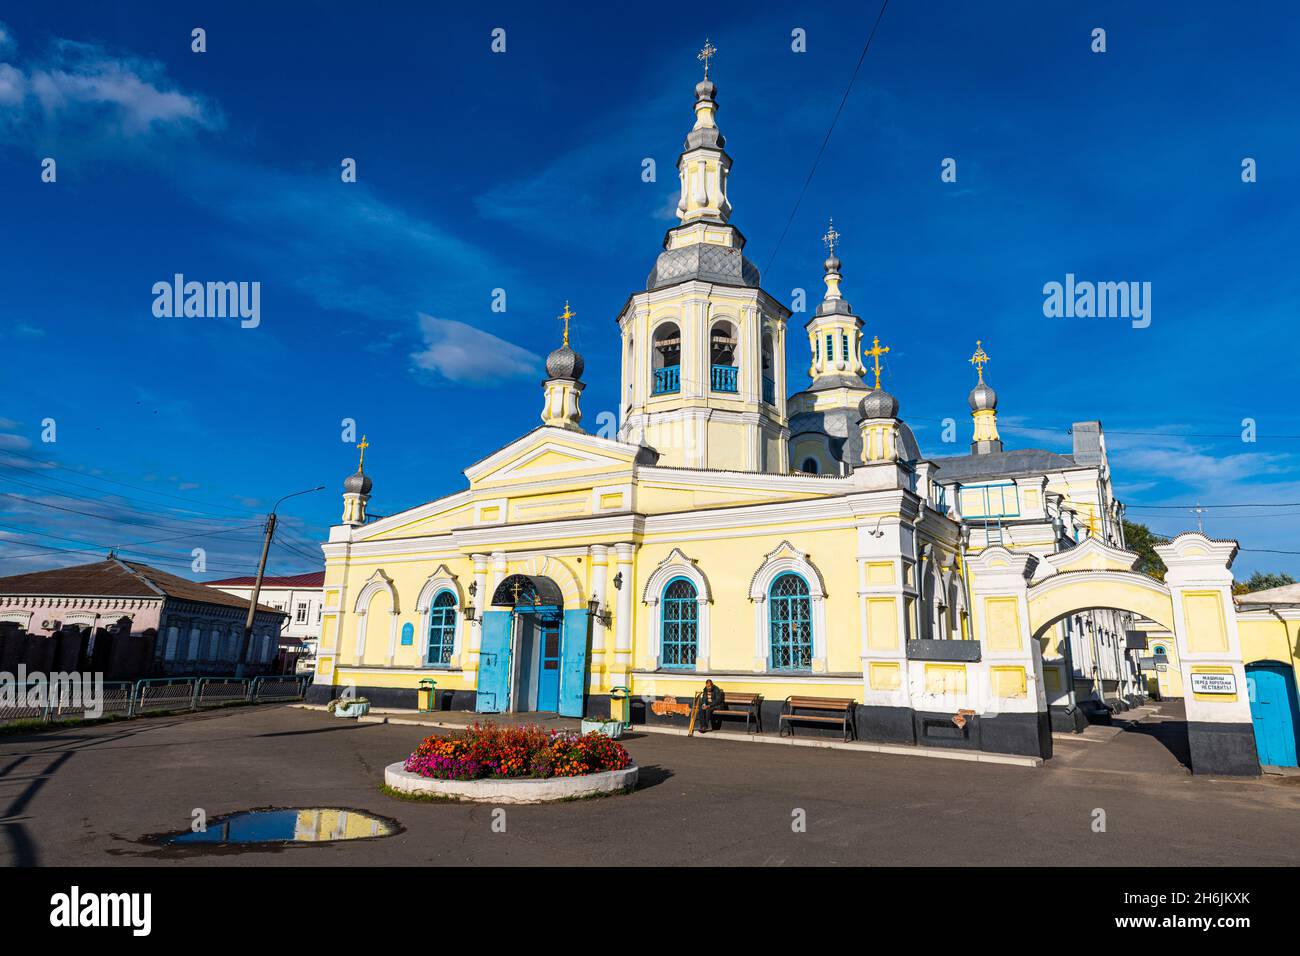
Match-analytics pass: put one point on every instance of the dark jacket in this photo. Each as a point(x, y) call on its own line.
point(711, 697)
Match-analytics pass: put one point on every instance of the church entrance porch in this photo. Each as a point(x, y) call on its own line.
point(534, 653)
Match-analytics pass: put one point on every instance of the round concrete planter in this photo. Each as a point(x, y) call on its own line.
point(518, 790)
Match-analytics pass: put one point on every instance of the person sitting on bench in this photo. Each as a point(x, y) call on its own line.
point(711, 699)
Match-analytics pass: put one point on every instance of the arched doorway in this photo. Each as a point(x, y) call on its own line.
point(533, 653)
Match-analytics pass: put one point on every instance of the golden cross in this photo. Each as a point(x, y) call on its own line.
point(831, 237)
point(875, 352)
point(516, 589)
point(566, 316)
point(979, 359)
point(1092, 522)
point(363, 446)
point(706, 54)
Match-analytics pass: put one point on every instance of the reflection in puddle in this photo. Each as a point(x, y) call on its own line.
point(313, 825)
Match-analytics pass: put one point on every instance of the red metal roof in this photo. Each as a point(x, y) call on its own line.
point(312, 579)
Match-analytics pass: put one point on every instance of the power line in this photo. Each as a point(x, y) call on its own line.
point(89, 514)
point(114, 499)
point(867, 46)
point(151, 491)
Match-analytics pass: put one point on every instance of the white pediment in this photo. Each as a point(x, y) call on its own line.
point(552, 453)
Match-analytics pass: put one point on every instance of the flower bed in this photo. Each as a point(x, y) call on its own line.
point(492, 752)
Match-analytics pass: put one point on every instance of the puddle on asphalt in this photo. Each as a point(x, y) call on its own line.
point(309, 825)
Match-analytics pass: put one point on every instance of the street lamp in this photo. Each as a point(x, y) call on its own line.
point(261, 570)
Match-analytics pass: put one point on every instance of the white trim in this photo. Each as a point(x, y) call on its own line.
point(786, 558)
point(440, 580)
point(678, 565)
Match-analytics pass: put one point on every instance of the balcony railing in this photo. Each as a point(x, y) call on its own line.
point(668, 380)
point(769, 391)
point(724, 378)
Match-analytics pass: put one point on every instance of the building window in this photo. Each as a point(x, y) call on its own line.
point(809, 465)
point(844, 345)
point(680, 637)
point(300, 614)
point(830, 346)
point(667, 360)
point(442, 628)
point(790, 624)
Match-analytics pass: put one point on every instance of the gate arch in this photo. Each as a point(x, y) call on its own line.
point(1064, 593)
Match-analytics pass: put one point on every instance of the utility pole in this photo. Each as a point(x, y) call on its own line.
point(257, 584)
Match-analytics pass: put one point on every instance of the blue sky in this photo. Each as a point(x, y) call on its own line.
point(522, 171)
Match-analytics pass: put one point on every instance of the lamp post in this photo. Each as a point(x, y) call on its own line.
point(257, 585)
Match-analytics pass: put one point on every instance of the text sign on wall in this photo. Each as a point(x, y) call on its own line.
point(1214, 684)
point(408, 634)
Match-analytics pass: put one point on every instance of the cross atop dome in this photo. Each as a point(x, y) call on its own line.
point(565, 318)
point(979, 360)
point(875, 352)
point(707, 53)
point(831, 238)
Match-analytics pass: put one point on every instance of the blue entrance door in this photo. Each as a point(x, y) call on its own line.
point(1274, 712)
point(548, 671)
point(494, 663)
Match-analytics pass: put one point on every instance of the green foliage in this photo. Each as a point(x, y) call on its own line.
point(1142, 541)
point(1260, 581)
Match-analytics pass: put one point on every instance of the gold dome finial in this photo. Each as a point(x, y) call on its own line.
point(979, 360)
point(706, 54)
point(565, 318)
point(875, 352)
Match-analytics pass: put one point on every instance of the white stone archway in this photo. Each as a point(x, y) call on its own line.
point(786, 558)
point(441, 580)
point(678, 565)
point(375, 584)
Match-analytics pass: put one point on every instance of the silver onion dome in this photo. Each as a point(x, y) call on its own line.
point(878, 403)
point(358, 484)
point(982, 397)
point(564, 363)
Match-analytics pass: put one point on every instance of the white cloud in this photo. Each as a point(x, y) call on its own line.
point(461, 353)
point(81, 91)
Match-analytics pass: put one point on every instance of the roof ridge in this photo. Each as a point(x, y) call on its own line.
point(130, 569)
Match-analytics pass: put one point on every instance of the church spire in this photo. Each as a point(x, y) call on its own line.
point(356, 490)
point(562, 387)
point(834, 332)
point(983, 408)
point(704, 165)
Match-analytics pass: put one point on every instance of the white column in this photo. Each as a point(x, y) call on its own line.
point(481, 597)
point(599, 557)
point(623, 614)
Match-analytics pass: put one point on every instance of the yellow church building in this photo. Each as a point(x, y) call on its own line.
point(782, 545)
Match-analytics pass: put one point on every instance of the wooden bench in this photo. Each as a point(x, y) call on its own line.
point(748, 706)
point(841, 707)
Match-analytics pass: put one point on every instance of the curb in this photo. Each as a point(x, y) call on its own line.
point(522, 790)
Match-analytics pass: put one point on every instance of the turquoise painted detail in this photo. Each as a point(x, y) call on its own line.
point(573, 662)
point(442, 629)
point(408, 634)
point(668, 380)
point(494, 664)
point(790, 624)
point(548, 664)
point(724, 378)
point(1273, 711)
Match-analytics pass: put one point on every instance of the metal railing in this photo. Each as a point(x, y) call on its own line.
point(769, 391)
point(724, 378)
point(55, 701)
point(668, 380)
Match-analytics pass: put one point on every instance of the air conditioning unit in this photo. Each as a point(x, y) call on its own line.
point(49, 625)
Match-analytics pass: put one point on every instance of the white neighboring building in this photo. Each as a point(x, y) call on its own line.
point(298, 595)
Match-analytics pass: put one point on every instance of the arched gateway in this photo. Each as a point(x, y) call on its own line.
point(533, 654)
point(1194, 603)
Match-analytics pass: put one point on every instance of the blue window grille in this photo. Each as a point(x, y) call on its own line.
point(769, 391)
point(724, 378)
point(790, 624)
point(668, 379)
point(830, 346)
point(844, 346)
point(680, 637)
point(818, 343)
point(442, 628)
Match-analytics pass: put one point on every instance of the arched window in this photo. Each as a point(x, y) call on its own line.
point(768, 371)
point(680, 638)
point(790, 624)
point(442, 628)
point(722, 356)
point(666, 357)
point(809, 466)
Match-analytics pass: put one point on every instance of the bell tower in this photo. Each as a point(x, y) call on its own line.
point(703, 377)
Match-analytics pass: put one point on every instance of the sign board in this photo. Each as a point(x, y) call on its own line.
point(1214, 683)
point(1147, 663)
point(408, 634)
point(1162, 667)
